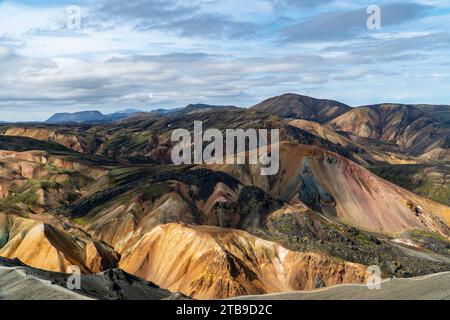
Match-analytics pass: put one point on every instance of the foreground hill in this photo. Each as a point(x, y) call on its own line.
point(302, 107)
point(44, 246)
point(20, 282)
point(420, 288)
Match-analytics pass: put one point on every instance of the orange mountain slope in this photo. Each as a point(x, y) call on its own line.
point(209, 262)
point(344, 191)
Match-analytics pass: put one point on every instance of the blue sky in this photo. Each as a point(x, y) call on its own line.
point(149, 54)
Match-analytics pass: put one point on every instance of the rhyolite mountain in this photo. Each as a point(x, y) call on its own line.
point(302, 107)
point(356, 187)
point(409, 128)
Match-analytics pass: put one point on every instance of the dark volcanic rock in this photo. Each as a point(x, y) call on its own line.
point(113, 284)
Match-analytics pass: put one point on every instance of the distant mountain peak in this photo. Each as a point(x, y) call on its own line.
point(81, 116)
point(199, 107)
point(127, 111)
point(90, 116)
point(290, 105)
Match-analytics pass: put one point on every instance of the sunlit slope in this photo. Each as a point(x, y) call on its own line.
point(345, 191)
point(210, 262)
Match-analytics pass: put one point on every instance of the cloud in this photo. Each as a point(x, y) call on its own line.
point(342, 25)
point(6, 54)
point(208, 26)
point(182, 18)
point(173, 79)
point(404, 48)
point(300, 3)
point(148, 9)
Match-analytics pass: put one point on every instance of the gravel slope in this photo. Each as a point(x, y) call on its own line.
point(431, 287)
point(20, 282)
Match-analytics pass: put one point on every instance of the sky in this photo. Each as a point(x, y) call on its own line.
point(149, 54)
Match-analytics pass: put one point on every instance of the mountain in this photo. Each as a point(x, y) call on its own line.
point(363, 153)
point(428, 180)
point(58, 248)
point(302, 107)
point(414, 132)
point(417, 288)
point(164, 111)
point(132, 209)
point(343, 191)
point(189, 109)
point(106, 196)
point(90, 116)
point(82, 116)
point(122, 114)
point(70, 140)
point(189, 259)
point(200, 107)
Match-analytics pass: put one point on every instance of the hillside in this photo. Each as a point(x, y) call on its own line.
point(415, 132)
point(342, 190)
point(428, 180)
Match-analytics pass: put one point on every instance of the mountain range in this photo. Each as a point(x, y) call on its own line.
point(356, 187)
point(90, 116)
point(98, 117)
